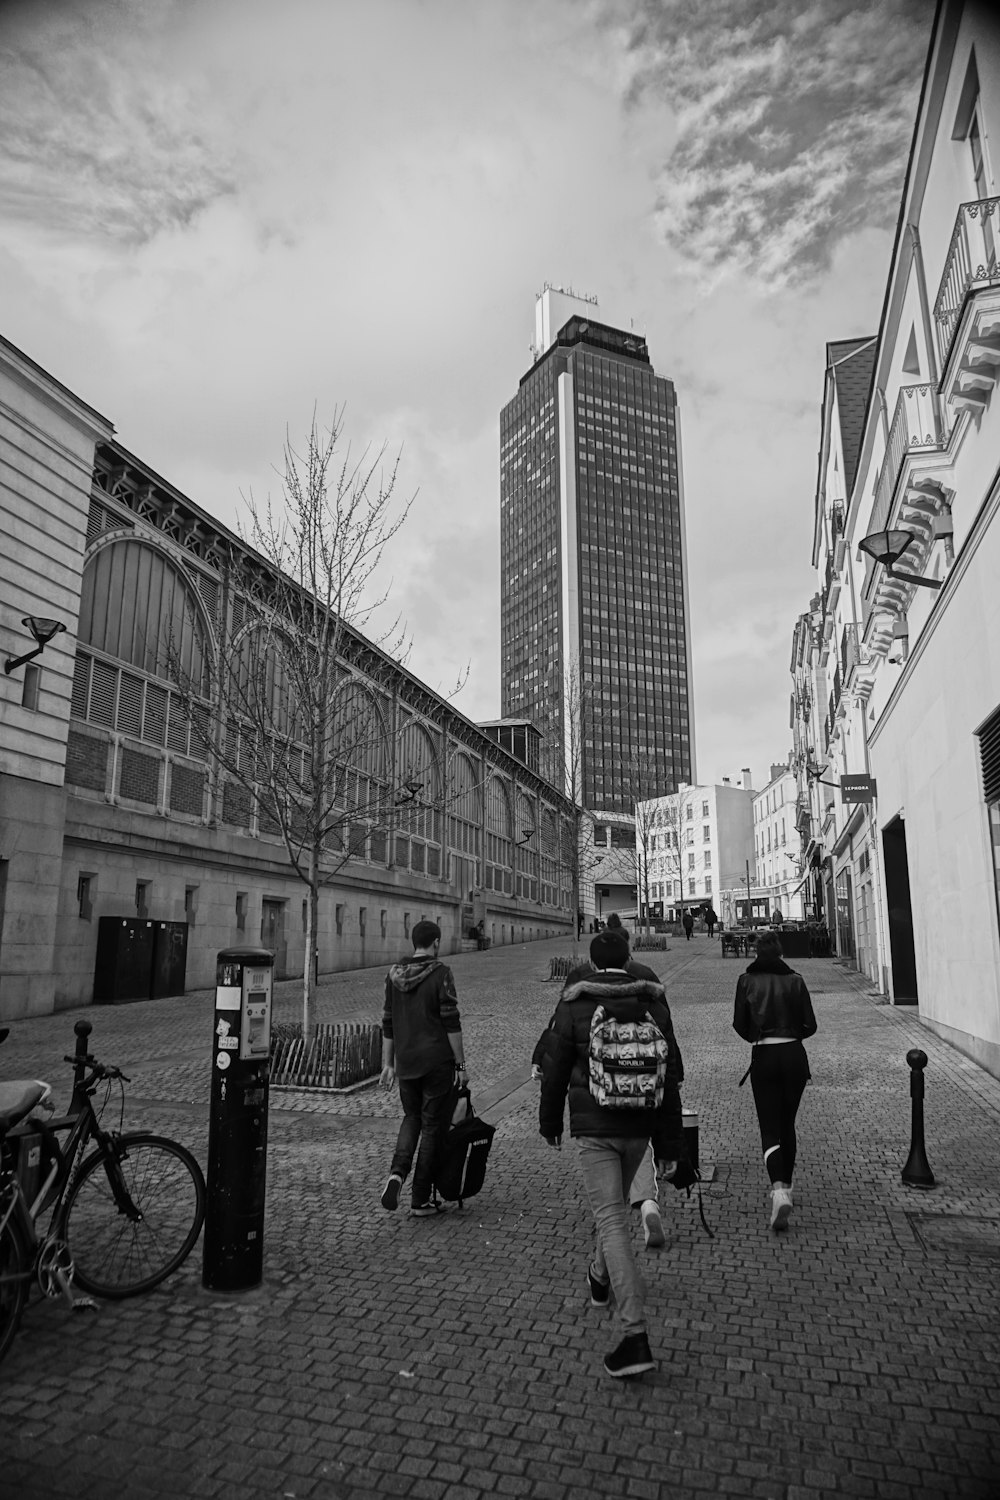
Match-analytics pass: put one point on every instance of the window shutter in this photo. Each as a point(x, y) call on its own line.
point(989, 753)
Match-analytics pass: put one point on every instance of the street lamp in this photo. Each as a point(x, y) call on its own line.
point(887, 547)
point(43, 630)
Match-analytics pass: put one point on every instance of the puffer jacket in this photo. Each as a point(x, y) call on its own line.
point(772, 1000)
point(568, 1068)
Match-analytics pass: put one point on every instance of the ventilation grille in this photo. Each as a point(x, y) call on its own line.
point(187, 790)
point(140, 777)
point(989, 751)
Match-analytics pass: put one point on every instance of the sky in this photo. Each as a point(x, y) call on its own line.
point(218, 217)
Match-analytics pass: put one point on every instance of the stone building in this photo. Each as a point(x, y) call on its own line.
point(110, 806)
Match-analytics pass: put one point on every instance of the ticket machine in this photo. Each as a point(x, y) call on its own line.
point(237, 1134)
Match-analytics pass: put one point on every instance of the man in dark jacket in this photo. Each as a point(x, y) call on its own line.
point(612, 1140)
point(422, 1046)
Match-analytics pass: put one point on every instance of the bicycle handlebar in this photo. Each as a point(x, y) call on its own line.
point(100, 1070)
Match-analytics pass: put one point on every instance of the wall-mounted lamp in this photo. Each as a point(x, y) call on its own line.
point(815, 773)
point(526, 836)
point(409, 792)
point(43, 631)
point(887, 547)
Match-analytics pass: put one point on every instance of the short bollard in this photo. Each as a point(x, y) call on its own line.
point(237, 1129)
point(917, 1172)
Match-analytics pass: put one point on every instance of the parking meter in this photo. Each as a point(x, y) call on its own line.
point(237, 1133)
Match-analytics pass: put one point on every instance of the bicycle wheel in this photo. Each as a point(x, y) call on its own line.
point(15, 1261)
point(115, 1255)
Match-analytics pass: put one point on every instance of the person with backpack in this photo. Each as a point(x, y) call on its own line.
point(613, 1053)
point(644, 1195)
point(422, 1047)
point(687, 922)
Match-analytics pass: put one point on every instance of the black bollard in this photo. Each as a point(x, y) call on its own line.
point(917, 1172)
point(82, 1030)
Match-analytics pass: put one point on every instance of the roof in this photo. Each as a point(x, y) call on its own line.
point(851, 363)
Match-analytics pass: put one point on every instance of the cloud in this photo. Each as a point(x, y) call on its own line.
point(794, 122)
point(100, 137)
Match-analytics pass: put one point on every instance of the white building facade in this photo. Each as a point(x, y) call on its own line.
point(692, 845)
point(776, 845)
point(901, 646)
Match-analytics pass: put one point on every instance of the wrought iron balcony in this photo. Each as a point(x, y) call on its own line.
point(971, 264)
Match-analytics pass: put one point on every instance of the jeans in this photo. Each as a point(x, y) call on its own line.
point(645, 1183)
point(607, 1166)
point(424, 1101)
point(778, 1076)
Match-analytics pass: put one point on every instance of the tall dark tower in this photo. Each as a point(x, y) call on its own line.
point(593, 566)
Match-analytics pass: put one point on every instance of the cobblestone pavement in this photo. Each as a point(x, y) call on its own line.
point(857, 1354)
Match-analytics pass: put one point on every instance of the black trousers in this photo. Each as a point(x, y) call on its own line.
point(778, 1076)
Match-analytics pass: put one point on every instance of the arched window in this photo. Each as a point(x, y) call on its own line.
point(143, 650)
point(358, 784)
point(550, 861)
point(465, 822)
point(417, 789)
point(527, 849)
point(499, 875)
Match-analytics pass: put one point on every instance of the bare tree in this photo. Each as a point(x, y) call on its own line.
point(641, 784)
point(668, 833)
point(295, 737)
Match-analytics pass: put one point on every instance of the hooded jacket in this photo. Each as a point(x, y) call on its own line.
point(548, 1041)
point(772, 1000)
point(568, 1070)
point(421, 1008)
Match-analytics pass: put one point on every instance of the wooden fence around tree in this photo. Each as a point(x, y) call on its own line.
point(340, 1055)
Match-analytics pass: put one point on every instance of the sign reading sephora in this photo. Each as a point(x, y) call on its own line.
point(857, 788)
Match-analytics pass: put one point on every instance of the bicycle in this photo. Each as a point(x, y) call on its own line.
point(121, 1219)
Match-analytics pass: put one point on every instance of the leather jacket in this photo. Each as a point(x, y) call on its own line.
point(772, 1000)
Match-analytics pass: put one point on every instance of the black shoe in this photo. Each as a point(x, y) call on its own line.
point(600, 1291)
point(632, 1357)
point(390, 1193)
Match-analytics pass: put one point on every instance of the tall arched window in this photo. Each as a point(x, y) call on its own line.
point(418, 801)
point(143, 649)
point(550, 859)
point(465, 822)
point(527, 849)
point(360, 781)
point(499, 875)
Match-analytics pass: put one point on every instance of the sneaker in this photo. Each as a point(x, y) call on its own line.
point(781, 1207)
point(600, 1291)
point(632, 1357)
point(652, 1226)
point(428, 1210)
point(390, 1193)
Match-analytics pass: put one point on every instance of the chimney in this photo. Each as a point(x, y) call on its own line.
point(747, 779)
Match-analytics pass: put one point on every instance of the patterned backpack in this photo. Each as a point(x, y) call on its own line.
point(628, 1062)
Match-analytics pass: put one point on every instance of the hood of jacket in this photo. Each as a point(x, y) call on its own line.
point(613, 985)
point(412, 972)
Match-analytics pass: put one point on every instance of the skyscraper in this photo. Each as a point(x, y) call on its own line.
point(593, 575)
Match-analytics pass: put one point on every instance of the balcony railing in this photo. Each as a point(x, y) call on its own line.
point(916, 428)
point(971, 264)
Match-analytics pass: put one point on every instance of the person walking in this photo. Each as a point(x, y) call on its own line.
point(644, 1194)
point(612, 1138)
point(774, 1012)
point(422, 1047)
point(711, 920)
point(687, 922)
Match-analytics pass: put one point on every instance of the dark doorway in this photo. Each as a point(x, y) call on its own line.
point(897, 895)
point(272, 934)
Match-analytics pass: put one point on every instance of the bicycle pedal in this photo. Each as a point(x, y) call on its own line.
point(84, 1304)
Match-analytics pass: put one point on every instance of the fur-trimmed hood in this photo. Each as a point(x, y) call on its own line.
point(613, 984)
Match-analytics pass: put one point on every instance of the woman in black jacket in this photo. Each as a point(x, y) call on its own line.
point(774, 1012)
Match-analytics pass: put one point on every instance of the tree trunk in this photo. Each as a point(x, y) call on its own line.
point(309, 965)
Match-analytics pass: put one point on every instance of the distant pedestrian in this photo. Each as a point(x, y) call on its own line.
point(612, 1139)
point(615, 923)
point(711, 921)
point(422, 1047)
point(687, 922)
point(774, 1012)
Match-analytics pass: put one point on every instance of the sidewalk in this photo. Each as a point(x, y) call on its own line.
point(858, 1354)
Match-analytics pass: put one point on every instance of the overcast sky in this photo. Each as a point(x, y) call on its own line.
point(218, 214)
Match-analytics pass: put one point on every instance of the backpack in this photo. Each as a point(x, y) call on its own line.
point(627, 1062)
point(460, 1168)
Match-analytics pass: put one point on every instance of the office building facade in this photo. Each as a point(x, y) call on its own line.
point(595, 638)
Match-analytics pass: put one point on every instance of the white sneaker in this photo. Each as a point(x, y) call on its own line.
point(781, 1206)
point(652, 1226)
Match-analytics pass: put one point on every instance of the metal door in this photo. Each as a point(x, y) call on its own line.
point(272, 934)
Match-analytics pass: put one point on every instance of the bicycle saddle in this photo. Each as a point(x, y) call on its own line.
point(19, 1097)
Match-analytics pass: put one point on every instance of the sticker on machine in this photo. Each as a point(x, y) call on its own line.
point(229, 1043)
point(227, 996)
point(222, 1061)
